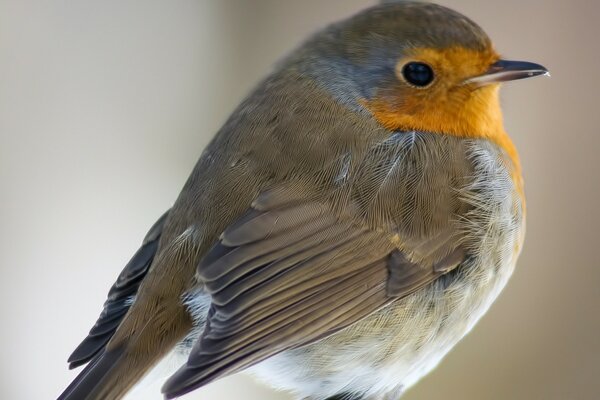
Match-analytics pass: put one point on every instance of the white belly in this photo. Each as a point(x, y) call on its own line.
point(388, 351)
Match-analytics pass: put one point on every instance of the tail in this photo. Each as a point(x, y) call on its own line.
point(113, 372)
point(155, 323)
point(94, 377)
point(106, 377)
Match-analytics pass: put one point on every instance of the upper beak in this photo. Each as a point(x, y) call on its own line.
point(504, 70)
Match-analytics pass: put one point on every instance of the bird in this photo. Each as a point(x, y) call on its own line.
point(350, 222)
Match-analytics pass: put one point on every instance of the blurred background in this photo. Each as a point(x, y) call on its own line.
point(106, 105)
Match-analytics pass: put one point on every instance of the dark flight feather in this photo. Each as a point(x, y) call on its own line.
point(119, 298)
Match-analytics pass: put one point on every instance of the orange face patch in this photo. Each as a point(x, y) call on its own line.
point(448, 105)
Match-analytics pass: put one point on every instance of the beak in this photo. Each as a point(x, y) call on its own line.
point(504, 71)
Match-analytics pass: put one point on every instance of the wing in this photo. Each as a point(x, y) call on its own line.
point(120, 298)
point(287, 274)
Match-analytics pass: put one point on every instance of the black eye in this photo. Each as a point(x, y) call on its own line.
point(418, 74)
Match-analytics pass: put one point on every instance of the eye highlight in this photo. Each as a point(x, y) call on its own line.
point(418, 74)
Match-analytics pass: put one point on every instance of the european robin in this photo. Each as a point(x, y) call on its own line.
point(346, 227)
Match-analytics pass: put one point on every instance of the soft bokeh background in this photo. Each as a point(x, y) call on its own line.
point(106, 105)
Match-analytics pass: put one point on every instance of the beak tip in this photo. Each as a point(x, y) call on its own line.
point(541, 72)
point(504, 71)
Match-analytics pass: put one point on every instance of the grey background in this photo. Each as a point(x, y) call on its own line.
point(106, 105)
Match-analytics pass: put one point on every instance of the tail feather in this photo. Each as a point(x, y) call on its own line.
point(156, 321)
point(119, 298)
point(93, 377)
point(129, 356)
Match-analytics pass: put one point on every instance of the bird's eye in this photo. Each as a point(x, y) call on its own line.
point(418, 74)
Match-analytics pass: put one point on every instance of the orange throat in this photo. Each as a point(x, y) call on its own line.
point(459, 112)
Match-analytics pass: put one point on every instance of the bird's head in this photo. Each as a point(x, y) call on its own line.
point(415, 66)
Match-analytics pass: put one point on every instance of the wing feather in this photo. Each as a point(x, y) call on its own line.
point(288, 273)
point(119, 298)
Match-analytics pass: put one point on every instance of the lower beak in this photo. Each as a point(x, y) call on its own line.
point(504, 71)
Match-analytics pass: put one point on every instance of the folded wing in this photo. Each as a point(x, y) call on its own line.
point(288, 273)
